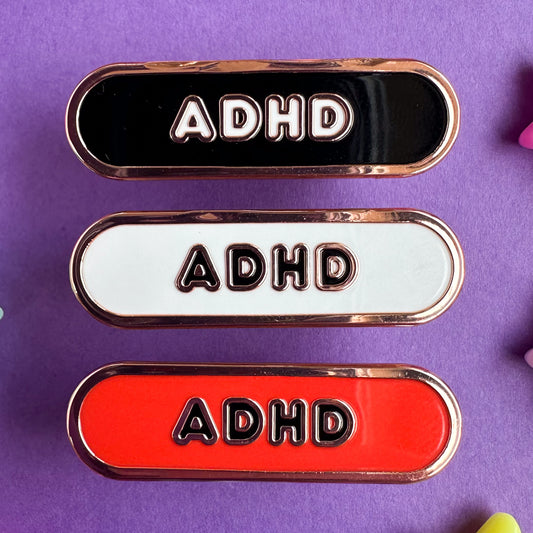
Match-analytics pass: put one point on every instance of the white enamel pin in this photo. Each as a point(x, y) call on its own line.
point(267, 268)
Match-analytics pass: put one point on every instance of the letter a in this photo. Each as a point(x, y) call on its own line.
point(195, 423)
point(197, 271)
point(192, 121)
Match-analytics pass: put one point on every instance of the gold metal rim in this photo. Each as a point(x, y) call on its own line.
point(309, 216)
point(395, 371)
point(340, 65)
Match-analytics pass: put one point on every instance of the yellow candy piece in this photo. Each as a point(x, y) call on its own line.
point(500, 523)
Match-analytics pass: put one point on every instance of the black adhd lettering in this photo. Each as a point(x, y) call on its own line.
point(336, 267)
point(245, 267)
point(197, 271)
point(287, 420)
point(195, 423)
point(285, 267)
point(333, 422)
point(242, 420)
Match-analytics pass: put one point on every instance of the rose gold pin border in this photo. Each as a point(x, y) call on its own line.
point(351, 216)
point(250, 66)
point(395, 371)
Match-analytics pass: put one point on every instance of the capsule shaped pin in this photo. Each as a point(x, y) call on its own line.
point(376, 423)
point(267, 268)
point(352, 117)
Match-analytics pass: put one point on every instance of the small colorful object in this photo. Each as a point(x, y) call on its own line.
point(529, 357)
point(526, 137)
point(500, 523)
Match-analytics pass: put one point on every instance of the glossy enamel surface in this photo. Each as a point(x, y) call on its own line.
point(121, 419)
point(120, 119)
point(127, 269)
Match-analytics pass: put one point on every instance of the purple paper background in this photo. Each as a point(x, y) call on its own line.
point(483, 190)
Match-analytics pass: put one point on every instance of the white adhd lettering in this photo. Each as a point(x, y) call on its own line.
point(192, 122)
point(285, 117)
point(329, 117)
point(240, 118)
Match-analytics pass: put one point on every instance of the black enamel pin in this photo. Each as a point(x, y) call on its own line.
point(352, 117)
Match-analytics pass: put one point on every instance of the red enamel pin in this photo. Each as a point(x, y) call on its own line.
point(376, 423)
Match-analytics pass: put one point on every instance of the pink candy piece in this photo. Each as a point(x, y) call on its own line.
point(526, 137)
point(529, 357)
